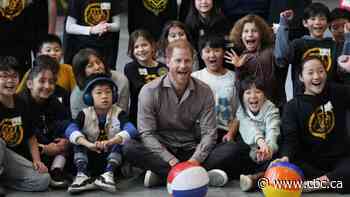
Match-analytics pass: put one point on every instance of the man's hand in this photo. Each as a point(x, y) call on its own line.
point(194, 161)
point(173, 162)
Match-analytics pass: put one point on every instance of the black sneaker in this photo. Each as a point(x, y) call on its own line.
point(58, 179)
point(2, 192)
point(81, 183)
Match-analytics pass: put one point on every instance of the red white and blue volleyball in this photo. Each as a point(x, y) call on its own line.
point(187, 180)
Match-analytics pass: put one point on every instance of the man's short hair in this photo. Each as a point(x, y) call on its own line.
point(181, 44)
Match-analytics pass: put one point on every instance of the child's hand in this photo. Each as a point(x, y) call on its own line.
point(100, 28)
point(51, 149)
point(40, 166)
point(344, 62)
point(102, 145)
point(347, 27)
point(287, 14)
point(93, 147)
point(264, 153)
point(232, 58)
point(229, 136)
point(61, 144)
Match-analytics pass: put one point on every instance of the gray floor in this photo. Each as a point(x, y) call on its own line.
point(133, 188)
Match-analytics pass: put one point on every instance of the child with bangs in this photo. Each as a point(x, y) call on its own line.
point(87, 62)
point(144, 67)
point(49, 117)
point(316, 19)
point(259, 129)
point(252, 53)
point(313, 128)
point(21, 167)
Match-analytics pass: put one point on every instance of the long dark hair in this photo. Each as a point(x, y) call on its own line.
point(80, 61)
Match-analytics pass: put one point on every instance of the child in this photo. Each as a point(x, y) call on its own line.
point(337, 19)
point(151, 15)
point(93, 24)
point(259, 127)
point(51, 45)
point(49, 116)
point(21, 167)
point(204, 18)
point(174, 30)
point(253, 54)
point(315, 19)
point(87, 62)
point(98, 132)
point(143, 69)
point(313, 127)
point(222, 83)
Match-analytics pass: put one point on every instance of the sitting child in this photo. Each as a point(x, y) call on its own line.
point(259, 127)
point(48, 115)
point(97, 133)
point(21, 167)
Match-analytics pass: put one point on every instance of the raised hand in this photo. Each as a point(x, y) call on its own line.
point(231, 57)
point(344, 62)
point(287, 14)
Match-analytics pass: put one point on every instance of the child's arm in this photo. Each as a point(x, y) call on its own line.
point(232, 131)
point(282, 51)
point(128, 131)
point(38, 165)
point(344, 59)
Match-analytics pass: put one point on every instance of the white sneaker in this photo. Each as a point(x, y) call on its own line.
point(217, 178)
point(106, 182)
point(82, 182)
point(151, 179)
point(245, 182)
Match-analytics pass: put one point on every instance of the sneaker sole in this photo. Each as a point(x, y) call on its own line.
point(103, 186)
point(147, 179)
point(74, 190)
point(245, 183)
point(222, 174)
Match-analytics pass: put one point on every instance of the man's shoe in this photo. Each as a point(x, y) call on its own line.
point(217, 178)
point(58, 179)
point(81, 183)
point(151, 179)
point(106, 182)
point(2, 192)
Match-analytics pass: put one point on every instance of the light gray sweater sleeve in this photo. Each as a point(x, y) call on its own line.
point(208, 128)
point(282, 51)
point(273, 121)
point(147, 123)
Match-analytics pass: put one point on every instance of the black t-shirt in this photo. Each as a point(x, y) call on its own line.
point(92, 12)
point(138, 76)
point(15, 128)
point(17, 30)
point(326, 49)
point(150, 15)
point(49, 119)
